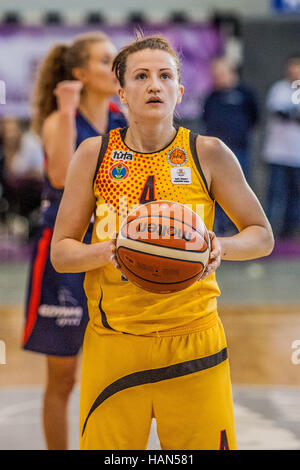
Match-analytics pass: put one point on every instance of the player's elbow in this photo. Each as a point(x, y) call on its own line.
point(56, 257)
point(57, 175)
point(57, 180)
point(268, 241)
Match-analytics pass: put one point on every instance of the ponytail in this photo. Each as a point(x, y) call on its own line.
point(52, 71)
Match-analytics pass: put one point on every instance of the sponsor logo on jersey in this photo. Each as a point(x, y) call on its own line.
point(121, 155)
point(177, 157)
point(119, 172)
point(181, 175)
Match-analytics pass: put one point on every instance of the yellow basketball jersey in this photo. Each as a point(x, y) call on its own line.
point(125, 179)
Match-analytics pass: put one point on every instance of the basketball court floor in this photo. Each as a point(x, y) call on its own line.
point(260, 310)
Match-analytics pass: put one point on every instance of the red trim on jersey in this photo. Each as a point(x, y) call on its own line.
point(37, 277)
point(114, 108)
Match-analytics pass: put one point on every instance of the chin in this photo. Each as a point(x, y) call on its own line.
point(156, 113)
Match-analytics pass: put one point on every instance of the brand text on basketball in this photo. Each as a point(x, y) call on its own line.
point(110, 218)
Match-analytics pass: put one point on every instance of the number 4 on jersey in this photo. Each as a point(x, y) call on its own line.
point(148, 193)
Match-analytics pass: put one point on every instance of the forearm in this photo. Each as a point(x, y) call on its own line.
point(62, 148)
point(252, 242)
point(72, 256)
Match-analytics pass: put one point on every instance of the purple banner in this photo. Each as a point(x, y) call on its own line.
point(22, 47)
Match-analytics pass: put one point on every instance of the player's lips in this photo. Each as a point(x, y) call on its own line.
point(154, 100)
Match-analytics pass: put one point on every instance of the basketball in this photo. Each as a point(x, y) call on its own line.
point(163, 247)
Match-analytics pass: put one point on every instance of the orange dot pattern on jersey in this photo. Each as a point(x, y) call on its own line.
point(110, 185)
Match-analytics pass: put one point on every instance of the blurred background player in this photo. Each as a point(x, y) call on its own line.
point(71, 103)
point(282, 152)
point(230, 112)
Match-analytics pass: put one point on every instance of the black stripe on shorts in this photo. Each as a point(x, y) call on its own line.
point(157, 375)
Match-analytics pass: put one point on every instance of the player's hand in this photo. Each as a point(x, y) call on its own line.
point(67, 94)
point(214, 256)
point(113, 257)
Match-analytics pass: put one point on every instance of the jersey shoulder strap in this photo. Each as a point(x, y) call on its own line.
point(103, 148)
point(193, 139)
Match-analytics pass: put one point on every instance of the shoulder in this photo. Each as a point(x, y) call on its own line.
point(210, 146)
point(51, 123)
point(50, 120)
point(89, 147)
point(86, 156)
point(219, 165)
point(214, 156)
point(83, 164)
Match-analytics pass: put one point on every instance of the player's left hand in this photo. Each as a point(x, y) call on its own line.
point(113, 258)
point(214, 256)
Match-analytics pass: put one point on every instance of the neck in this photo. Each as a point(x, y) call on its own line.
point(149, 138)
point(94, 108)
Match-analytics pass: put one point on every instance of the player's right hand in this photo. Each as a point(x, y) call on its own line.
point(67, 94)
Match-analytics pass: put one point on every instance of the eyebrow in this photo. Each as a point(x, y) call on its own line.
point(147, 70)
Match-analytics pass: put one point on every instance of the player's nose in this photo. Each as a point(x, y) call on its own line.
point(154, 85)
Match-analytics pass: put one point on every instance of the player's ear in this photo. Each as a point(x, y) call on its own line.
point(180, 94)
point(122, 96)
point(79, 74)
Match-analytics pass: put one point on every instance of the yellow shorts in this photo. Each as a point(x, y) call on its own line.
point(182, 380)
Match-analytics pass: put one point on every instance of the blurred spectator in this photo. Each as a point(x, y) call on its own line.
point(230, 112)
point(22, 172)
point(282, 153)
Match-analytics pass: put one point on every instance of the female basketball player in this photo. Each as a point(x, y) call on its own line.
point(154, 355)
point(72, 96)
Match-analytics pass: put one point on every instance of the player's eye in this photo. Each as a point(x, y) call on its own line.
point(141, 76)
point(165, 76)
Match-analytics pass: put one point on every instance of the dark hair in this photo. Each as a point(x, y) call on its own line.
point(141, 43)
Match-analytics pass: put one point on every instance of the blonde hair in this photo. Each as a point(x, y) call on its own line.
point(141, 43)
point(57, 66)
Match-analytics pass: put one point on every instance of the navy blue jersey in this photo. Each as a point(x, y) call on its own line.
point(51, 196)
point(56, 307)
